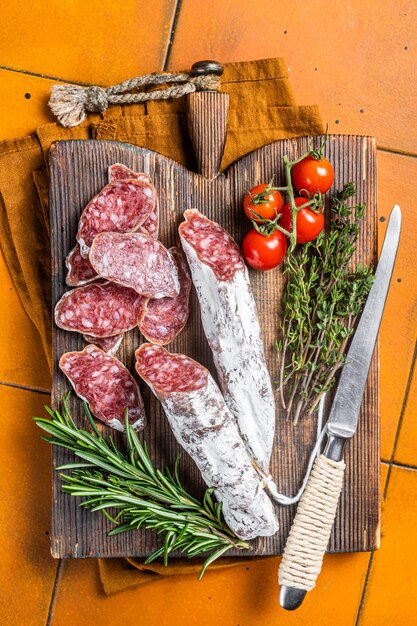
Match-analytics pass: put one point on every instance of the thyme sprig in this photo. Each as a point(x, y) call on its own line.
point(128, 489)
point(322, 300)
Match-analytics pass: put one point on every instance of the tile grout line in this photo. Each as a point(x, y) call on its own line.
point(39, 75)
point(398, 464)
point(391, 464)
point(404, 404)
point(165, 63)
point(46, 392)
point(54, 592)
point(365, 586)
point(171, 35)
point(406, 466)
point(412, 155)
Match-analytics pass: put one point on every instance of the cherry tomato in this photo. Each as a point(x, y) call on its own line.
point(312, 175)
point(309, 224)
point(260, 201)
point(264, 252)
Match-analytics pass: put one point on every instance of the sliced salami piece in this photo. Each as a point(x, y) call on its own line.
point(151, 225)
point(230, 322)
point(204, 426)
point(106, 385)
point(165, 318)
point(122, 206)
point(137, 261)
point(109, 345)
point(118, 171)
point(80, 271)
point(100, 309)
point(213, 245)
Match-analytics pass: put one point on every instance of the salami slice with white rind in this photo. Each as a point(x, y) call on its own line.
point(100, 309)
point(80, 271)
point(137, 261)
point(109, 345)
point(165, 318)
point(122, 206)
point(106, 385)
point(118, 171)
point(230, 322)
point(203, 425)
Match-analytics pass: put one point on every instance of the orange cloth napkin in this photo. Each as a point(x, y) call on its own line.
point(262, 110)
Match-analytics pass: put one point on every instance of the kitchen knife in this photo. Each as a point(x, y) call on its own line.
point(310, 532)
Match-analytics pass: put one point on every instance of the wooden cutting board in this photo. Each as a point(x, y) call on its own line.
point(78, 172)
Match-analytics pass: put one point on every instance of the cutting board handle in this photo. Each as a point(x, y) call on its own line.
point(207, 121)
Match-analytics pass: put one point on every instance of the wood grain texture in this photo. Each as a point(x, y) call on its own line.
point(207, 123)
point(78, 171)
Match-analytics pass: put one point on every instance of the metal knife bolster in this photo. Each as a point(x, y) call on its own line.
point(334, 447)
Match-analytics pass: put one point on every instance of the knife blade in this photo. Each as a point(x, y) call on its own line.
point(344, 413)
point(311, 528)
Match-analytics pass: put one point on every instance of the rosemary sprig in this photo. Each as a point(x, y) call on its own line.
point(322, 300)
point(111, 481)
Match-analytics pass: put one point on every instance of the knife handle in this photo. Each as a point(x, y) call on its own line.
point(310, 531)
point(207, 121)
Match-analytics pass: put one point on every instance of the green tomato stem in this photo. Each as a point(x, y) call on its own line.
point(303, 156)
point(289, 190)
point(282, 230)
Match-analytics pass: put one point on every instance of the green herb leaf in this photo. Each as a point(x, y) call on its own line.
point(143, 496)
point(322, 299)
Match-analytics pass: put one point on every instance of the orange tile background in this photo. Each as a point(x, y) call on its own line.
point(357, 60)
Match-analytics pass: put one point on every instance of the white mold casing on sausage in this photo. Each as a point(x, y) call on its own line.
point(230, 322)
point(204, 426)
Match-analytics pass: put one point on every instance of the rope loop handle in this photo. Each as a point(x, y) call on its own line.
point(70, 103)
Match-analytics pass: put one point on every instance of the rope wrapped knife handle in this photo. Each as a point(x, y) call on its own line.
point(310, 531)
point(71, 103)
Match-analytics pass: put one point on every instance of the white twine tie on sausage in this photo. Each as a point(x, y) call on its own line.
point(70, 103)
point(267, 479)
